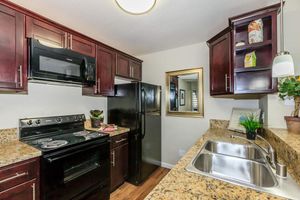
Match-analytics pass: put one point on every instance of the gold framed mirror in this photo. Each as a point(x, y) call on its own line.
point(184, 93)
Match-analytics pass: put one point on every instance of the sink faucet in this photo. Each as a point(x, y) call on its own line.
point(271, 153)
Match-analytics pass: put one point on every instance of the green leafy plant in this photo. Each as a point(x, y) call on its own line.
point(289, 87)
point(96, 114)
point(250, 122)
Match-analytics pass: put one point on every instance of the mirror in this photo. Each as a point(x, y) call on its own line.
point(184, 93)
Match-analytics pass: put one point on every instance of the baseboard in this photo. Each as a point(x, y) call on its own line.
point(167, 165)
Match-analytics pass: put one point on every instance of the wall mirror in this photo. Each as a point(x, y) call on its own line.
point(184, 93)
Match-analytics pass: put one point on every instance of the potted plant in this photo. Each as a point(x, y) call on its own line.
point(289, 88)
point(251, 123)
point(96, 118)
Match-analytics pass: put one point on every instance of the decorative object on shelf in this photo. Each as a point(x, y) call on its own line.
point(136, 7)
point(96, 118)
point(237, 114)
point(283, 64)
point(182, 97)
point(251, 123)
point(250, 59)
point(256, 31)
point(289, 88)
point(240, 44)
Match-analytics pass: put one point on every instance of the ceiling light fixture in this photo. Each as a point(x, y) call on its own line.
point(283, 64)
point(136, 7)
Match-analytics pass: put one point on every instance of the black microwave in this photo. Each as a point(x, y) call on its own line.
point(60, 65)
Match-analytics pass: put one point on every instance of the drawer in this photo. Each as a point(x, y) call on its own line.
point(18, 173)
point(119, 140)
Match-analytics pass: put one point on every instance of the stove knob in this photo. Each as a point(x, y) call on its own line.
point(59, 119)
point(29, 122)
point(38, 122)
point(75, 118)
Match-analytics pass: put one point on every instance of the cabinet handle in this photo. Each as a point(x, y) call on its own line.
point(113, 158)
point(99, 85)
point(21, 75)
point(66, 41)
point(71, 41)
point(14, 177)
point(122, 140)
point(33, 191)
point(226, 82)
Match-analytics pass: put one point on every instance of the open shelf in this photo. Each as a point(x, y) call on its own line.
point(251, 69)
point(253, 46)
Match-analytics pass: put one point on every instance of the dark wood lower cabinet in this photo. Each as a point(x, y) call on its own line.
point(20, 181)
point(119, 161)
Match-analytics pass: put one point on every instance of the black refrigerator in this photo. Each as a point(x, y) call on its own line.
point(138, 107)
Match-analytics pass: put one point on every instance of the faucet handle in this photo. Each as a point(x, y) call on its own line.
point(281, 170)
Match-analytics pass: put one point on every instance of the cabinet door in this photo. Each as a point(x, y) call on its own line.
point(82, 45)
point(12, 39)
point(47, 34)
point(25, 191)
point(122, 68)
point(220, 65)
point(136, 70)
point(106, 63)
point(119, 166)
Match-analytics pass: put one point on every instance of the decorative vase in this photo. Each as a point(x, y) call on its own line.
point(293, 124)
point(251, 135)
point(96, 123)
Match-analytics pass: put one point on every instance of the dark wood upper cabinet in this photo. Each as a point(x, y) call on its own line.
point(122, 68)
point(46, 33)
point(220, 63)
point(106, 64)
point(228, 74)
point(13, 65)
point(82, 45)
point(128, 68)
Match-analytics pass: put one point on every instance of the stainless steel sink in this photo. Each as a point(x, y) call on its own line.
point(233, 168)
point(241, 164)
point(247, 151)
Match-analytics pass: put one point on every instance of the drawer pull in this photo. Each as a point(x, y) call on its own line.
point(113, 158)
point(14, 177)
point(122, 140)
point(33, 191)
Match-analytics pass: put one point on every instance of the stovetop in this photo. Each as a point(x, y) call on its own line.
point(59, 141)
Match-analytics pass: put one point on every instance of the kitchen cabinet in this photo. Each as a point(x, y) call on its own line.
point(54, 36)
point(106, 64)
point(128, 68)
point(13, 66)
point(20, 180)
point(229, 77)
point(220, 63)
point(119, 160)
point(46, 33)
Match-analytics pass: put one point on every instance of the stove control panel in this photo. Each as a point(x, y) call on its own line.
point(46, 121)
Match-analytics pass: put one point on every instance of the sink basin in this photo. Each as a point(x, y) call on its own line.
point(235, 169)
point(246, 151)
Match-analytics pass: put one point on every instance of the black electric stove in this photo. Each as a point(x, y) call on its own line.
point(75, 162)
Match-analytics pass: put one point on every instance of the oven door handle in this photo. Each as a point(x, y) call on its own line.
point(53, 159)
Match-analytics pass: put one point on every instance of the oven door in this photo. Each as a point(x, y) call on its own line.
point(58, 64)
point(76, 173)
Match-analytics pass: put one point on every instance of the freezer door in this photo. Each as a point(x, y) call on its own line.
point(150, 129)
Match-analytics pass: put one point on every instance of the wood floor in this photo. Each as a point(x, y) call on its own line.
point(128, 191)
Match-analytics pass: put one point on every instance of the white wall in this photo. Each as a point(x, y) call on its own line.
point(277, 109)
point(178, 133)
point(46, 100)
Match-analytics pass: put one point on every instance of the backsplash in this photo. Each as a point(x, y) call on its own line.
point(218, 124)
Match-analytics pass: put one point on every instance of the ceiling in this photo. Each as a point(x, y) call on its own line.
point(171, 24)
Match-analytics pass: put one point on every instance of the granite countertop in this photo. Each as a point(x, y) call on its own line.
point(15, 151)
point(184, 185)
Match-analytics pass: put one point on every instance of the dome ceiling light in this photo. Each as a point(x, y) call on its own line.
point(136, 7)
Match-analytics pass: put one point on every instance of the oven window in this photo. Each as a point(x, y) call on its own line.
point(59, 67)
point(80, 165)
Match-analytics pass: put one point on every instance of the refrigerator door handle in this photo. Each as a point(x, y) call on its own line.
point(143, 113)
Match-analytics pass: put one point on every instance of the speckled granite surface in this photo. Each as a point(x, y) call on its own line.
point(15, 151)
point(120, 130)
point(287, 146)
point(7, 135)
point(180, 184)
point(217, 123)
